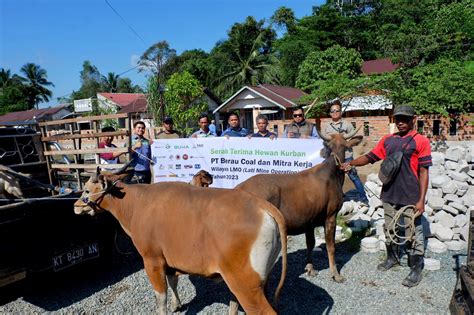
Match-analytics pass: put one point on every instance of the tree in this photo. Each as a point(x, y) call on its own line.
point(246, 57)
point(443, 87)
point(90, 82)
point(183, 100)
point(323, 65)
point(155, 58)
point(110, 82)
point(36, 82)
point(284, 17)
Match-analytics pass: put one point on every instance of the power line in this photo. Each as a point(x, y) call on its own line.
point(131, 28)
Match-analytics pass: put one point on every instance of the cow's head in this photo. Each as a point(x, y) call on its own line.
point(95, 189)
point(336, 144)
point(202, 179)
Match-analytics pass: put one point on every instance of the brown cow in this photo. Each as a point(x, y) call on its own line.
point(181, 229)
point(309, 198)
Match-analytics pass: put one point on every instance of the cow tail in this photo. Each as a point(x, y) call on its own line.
point(280, 220)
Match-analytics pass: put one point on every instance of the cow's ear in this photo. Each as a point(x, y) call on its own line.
point(97, 171)
point(354, 141)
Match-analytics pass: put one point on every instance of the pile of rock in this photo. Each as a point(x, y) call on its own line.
point(450, 198)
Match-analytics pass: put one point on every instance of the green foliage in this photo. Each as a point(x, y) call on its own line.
point(153, 99)
point(285, 17)
point(442, 87)
point(246, 57)
point(183, 101)
point(155, 58)
point(36, 82)
point(323, 65)
point(90, 82)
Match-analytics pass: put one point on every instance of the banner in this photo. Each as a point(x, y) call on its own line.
point(231, 160)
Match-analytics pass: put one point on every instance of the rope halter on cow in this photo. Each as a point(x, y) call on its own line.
point(102, 193)
point(407, 213)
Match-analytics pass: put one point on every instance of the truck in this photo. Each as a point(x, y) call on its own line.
point(40, 231)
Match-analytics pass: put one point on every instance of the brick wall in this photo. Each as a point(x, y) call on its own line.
point(452, 128)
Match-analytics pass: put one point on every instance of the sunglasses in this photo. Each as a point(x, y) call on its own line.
point(297, 115)
point(335, 111)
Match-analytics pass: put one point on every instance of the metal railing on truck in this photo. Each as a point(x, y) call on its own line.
point(72, 142)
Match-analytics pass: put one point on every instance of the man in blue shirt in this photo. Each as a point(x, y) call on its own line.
point(234, 129)
point(141, 156)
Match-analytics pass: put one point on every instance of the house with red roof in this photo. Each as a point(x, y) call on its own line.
point(274, 101)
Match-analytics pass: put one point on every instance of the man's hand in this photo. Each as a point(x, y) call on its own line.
point(346, 167)
point(291, 134)
point(419, 208)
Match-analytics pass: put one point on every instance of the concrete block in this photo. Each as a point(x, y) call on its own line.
point(463, 167)
point(460, 177)
point(434, 192)
point(436, 246)
point(436, 203)
point(373, 177)
point(444, 234)
point(370, 245)
point(449, 187)
point(439, 181)
point(428, 210)
point(450, 209)
point(450, 165)
point(460, 220)
point(471, 173)
point(373, 189)
point(468, 199)
point(455, 153)
point(452, 197)
point(456, 245)
point(459, 206)
point(437, 158)
point(432, 264)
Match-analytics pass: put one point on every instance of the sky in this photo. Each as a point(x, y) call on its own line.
point(59, 35)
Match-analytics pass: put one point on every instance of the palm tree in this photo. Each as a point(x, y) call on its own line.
point(36, 82)
point(110, 82)
point(6, 79)
point(246, 66)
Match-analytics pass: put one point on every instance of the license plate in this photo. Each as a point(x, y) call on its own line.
point(75, 256)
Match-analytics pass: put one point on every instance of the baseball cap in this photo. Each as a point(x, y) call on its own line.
point(404, 110)
point(168, 120)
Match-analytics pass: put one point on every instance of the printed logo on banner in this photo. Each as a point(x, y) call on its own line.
point(185, 156)
point(178, 156)
point(188, 166)
point(167, 146)
point(170, 166)
point(171, 157)
point(197, 166)
point(178, 166)
point(183, 175)
point(161, 166)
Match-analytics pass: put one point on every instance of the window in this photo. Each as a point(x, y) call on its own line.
point(453, 126)
point(436, 127)
point(366, 129)
point(420, 124)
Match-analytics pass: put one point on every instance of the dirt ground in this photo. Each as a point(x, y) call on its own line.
point(363, 171)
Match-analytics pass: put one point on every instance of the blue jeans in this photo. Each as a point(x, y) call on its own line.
point(357, 182)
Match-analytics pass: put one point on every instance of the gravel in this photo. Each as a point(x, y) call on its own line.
point(119, 285)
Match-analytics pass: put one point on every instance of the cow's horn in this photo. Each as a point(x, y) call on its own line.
point(352, 134)
point(324, 136)
point(123, 169)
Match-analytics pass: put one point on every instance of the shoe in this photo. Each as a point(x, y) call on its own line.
point(416, 264)
point(392, 258)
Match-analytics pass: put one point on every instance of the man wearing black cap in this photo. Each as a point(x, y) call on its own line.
point(407, 187)
point(168, 132)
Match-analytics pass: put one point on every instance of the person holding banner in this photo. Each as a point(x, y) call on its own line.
point(234, 129)
point(204, 131)
point(300, 128)
point(263, 132)
point(141, 156)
